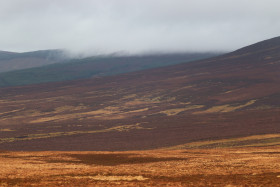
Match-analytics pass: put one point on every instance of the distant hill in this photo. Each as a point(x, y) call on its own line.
point(10, 61)
point(225, 101)
point(7, 54)
point(96, 66)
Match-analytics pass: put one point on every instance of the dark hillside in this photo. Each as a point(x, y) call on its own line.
point(94, 67)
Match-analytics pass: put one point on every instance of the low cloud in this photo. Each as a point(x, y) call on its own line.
point(136, 26)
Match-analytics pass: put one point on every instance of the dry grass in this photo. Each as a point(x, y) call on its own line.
point(196, 167)
point(226, 108)
point(119, 128)
point(110, 112)
point(112, 178)
point(6, 130)
point(59, 117)
point(255, 140)
point(175, 111)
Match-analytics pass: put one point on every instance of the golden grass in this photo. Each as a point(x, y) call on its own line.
point(142, 101)
point(55, 118)
point(225, 108)
point(139, 102)
point(120, 128)
point(255, 140)
point(175, 111)
point(35, 113)
point(110, 112)
point(59, 117)
point(68, 108)
point(111, 178)
point(12, 111)
point(6, 130)
point(197, 167)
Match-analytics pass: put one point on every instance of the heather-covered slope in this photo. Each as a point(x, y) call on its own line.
point(226, 97)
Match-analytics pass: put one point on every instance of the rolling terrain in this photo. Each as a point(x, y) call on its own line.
point(227, 101)
point(11, 61)
point(95, 66)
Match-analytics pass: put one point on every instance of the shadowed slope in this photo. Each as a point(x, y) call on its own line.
point(96, 66)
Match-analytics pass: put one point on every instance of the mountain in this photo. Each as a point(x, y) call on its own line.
point(6, 54)
point(95, 66)
point(225, 101)
point(10, 61)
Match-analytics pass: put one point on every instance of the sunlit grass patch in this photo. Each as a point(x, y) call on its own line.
point(254, 141)
point(120, 128)
point(226, 108)
point(6, 130)
point(175, 111)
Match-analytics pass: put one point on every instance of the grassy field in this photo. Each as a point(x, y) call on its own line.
point(188, 167)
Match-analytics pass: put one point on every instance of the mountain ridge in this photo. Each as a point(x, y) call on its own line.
point(10, 61)
point(95, 66)
point(225, 97)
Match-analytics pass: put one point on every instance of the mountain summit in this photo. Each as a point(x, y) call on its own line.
point(270, 44)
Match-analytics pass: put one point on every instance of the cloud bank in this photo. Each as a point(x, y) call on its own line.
point(136, 26)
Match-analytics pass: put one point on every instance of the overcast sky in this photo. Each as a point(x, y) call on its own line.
point(136, 26)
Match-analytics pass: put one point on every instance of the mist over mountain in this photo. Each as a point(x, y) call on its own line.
point(95, 66)
point(97, 27)
point(139, 93)
point(10, 61)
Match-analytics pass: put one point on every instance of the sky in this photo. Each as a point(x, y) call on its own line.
point(136, 26)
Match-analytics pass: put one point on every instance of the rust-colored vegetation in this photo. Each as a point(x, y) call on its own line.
point(191, 167)
point(228, 104)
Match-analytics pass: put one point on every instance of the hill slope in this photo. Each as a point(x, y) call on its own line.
point(227, 97)
point(94, 67)
point(10, 61)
